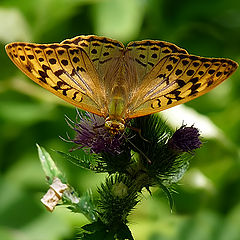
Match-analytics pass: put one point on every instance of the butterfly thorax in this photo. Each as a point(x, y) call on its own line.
point(115, 122)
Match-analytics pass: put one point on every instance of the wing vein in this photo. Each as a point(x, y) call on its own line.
point(79, 76)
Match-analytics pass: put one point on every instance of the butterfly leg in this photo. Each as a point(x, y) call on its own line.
point(141, 152)
point(139, 131)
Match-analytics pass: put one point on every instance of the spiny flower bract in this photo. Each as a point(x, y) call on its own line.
point(185, 139)
point(91, 133)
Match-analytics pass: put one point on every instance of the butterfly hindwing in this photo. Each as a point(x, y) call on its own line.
point(147, 53)
point(102, 51)
point(62, 69)
point(176, 79)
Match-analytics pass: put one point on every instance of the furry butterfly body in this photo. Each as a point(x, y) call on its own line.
point(102, 76)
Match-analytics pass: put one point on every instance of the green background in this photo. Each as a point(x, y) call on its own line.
point(207, 202)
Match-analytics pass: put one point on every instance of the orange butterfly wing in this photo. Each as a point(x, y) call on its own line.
point(63, 70)
point(176, 79)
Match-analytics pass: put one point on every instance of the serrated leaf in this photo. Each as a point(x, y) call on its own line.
point(97, 230)
point(177, 175)
point(92, 227)
point(168, 193)
point(49, 167)
point(87, 162)
point(124, 233)
point(84, 204)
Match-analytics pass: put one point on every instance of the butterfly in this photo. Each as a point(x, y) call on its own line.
point(102, 76)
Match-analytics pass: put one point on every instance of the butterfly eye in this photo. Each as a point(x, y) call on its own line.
point(114, 126)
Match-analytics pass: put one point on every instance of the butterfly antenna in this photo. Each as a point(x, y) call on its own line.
point(138, 130)
point(141, 152)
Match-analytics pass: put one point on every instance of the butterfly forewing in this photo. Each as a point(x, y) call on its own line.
point(176, 79)
point(64, 70)
point(147, 53)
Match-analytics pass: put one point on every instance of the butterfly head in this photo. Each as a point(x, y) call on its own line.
point(114, 126)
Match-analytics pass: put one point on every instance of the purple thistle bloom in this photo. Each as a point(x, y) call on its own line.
point(91, 133)
point(185, 139)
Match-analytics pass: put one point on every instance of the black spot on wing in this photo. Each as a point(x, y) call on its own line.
point(29, 68)
point(59, 72)
point(30, 57)
point(169, 67)
point(180, 82)
point(194, 80)
point(196, 64)
point(169, 101)
point(81, 69)
point(141, 48)
point(105, 54)
point(218, 74)
point(190, 72)
point(158, 104)
point(94, 51)
point(22, 58)
point(72, 51)
point(210, 82)
point(178, 72)
point(166, 51)
point(195, 86)
point(45, 67)
point(154, 55)
point(76, 60)
point(52, 61)
point(173, 59)
point(60, 52)
point(211, 71)
point(43, 76)
point(83, 44)
point(108, 46)
point(175, 92)
point(64, 62)
point(185, 62)
point(48, 52)
point(141, 63)
point(162, 75)
point(95, 44)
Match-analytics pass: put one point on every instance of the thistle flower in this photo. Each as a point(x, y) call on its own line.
point(91, 133)
point(185, 139)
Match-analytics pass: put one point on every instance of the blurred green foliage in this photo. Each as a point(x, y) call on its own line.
point(207, 206)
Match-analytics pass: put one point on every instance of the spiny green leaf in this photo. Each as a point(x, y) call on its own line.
point(124, 233)
point(168, 193)
point(88, 161)
point(49, 167)
point(83, 204)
